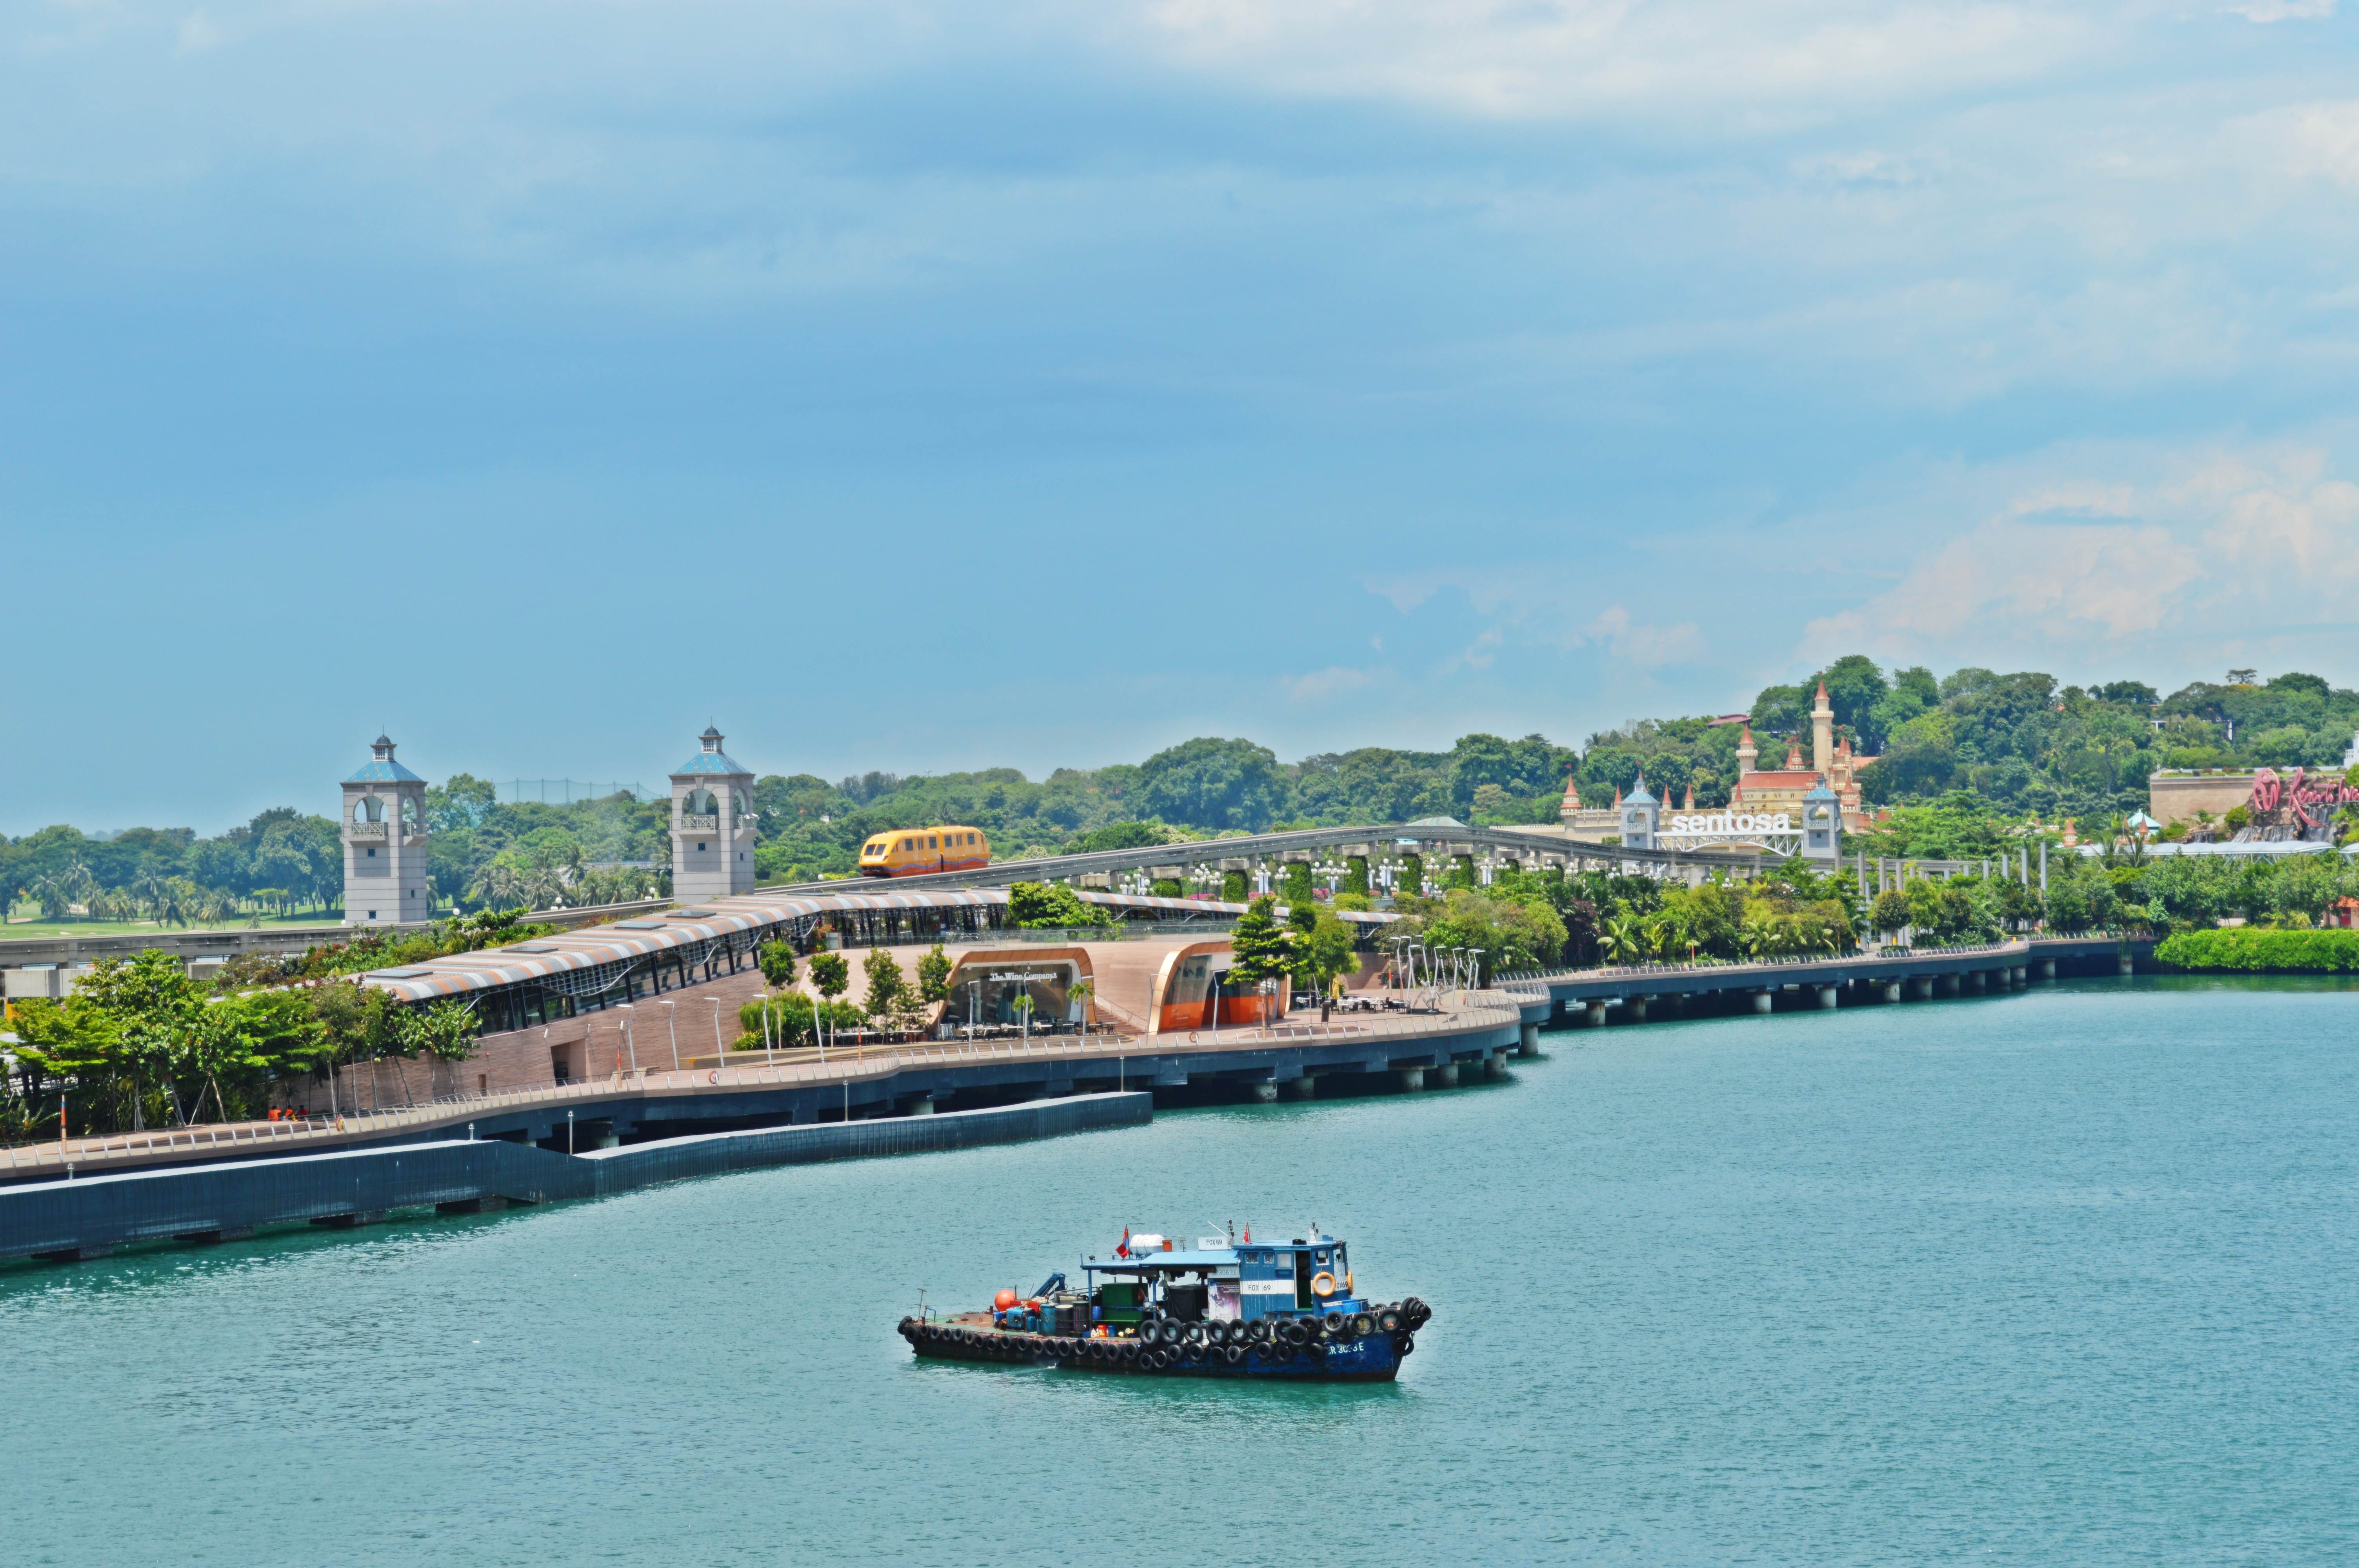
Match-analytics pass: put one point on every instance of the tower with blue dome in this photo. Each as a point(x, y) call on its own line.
point(384, 830)
point(712, 825)
point(1642, 814)
point(1822, 825)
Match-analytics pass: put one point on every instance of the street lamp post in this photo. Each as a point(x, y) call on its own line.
point(671, 1027)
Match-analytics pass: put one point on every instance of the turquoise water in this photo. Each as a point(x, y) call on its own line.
point(2058, 1278)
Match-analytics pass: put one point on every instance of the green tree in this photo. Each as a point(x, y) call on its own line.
point(1215, 784)
point(1050, 906)
point(1331, 950)
point(1261, 951)
point(886, 983)
point(831, 974)
point(934, 975)
point(777, 960)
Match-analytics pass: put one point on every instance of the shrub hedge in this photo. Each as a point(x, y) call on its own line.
point(2329, 951)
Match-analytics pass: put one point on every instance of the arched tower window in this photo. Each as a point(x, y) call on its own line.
point(410, 814)
point(368, 808)
point(700, 803)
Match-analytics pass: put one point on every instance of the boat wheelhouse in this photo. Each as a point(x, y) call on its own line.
point(1220, 1308)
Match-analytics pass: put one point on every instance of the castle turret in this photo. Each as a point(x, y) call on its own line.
point(1571, 809)
point(383, 832)
point(712, 825)
point(1747, 753)
point(1822, 732)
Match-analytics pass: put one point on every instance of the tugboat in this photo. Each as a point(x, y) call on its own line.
point(1223, 1308)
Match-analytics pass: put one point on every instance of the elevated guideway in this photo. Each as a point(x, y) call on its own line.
point(1537, 847)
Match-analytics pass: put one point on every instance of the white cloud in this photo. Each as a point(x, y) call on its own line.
point(2225, 550)
point(1517, 59)
point(2322, 141)
point(1648, 646)
point(197, 34)
point(2281, 10)
point(1333, 681)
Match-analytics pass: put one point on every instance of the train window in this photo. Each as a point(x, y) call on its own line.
point(933, 843)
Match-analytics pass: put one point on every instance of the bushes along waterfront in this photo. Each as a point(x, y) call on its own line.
point(2243, 948)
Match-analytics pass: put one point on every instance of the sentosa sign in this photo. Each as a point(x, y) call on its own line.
point(1728, 824)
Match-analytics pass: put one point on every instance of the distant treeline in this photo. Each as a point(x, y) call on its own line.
point(1967, 754)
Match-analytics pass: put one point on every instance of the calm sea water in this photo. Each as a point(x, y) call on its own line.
point(2061, 1278)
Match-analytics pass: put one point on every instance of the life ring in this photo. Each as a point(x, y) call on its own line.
point(713, 1076)
point(1192, 1037)
point(1322, 1283)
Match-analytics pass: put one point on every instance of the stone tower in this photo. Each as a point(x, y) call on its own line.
point(384, 843)
point(712, 825)
point(1823, 733)
point(1822, 824)
point(1641, 814)
point(1747, 753)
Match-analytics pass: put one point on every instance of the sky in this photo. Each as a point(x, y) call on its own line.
point(924, 386)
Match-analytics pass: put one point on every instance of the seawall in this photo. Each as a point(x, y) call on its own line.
point(89, 1216)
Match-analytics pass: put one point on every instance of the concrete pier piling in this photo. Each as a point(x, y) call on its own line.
point(2127, 965)
point(1303, 1088)
point(1891, 989)
point(1597, 1014)
point(1264, 1094)
point(1495, 1067)
point(1446, 1076)
point(1527, 1042)
point(1635, 1009)
point(1408, 1079)
point(1764, 1000)
point(1827, 998)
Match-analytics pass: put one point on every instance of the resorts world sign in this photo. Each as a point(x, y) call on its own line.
point(1772, 830)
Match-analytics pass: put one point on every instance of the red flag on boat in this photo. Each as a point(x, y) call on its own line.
point(1248, 1233)
point(1123, 1251)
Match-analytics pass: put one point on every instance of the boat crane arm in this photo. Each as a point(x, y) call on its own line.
point(1054, 1281)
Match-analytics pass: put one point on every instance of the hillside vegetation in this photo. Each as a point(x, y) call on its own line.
point(1966, 759)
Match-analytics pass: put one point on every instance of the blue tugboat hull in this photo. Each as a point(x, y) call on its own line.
point(1370, 1358)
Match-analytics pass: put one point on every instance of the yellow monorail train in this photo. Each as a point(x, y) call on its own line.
point(915, 851)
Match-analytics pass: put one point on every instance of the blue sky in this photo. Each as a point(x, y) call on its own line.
point(926, 386)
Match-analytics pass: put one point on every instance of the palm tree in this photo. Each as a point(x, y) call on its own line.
point(1760, 938)
point(57, 891)
point(543, 888)
point(1620, 940)
point(499, 886)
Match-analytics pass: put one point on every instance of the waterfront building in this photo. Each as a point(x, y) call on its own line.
point(712, 825)
point(384, 833)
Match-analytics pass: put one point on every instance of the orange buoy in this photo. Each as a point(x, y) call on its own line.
point(1003, 1300)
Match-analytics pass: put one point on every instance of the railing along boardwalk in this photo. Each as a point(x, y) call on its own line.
point(1522, 981)
point(804, 1067)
